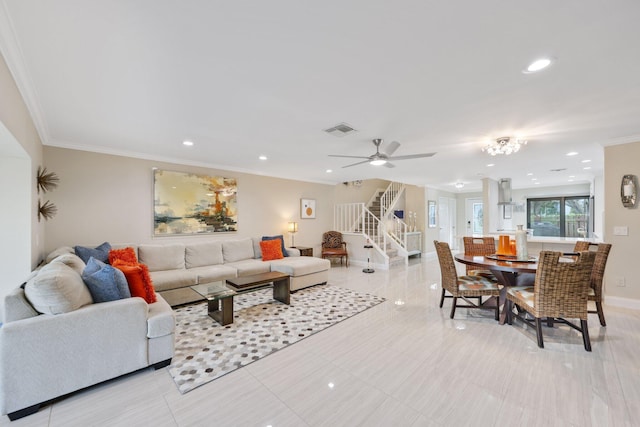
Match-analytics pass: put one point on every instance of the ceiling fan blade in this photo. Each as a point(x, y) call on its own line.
point(391, 148)
point(389, 165)
point(349, 157)
point(412, 156)
point(354, 164)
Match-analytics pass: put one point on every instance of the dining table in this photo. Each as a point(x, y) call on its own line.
point(507, 270)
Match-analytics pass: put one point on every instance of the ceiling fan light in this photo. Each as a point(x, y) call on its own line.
point(378, 162)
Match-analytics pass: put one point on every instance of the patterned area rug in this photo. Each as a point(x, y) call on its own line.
point(206, 351)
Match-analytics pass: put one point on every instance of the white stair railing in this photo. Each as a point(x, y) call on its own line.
point(399, 231)
point(390, 198)
point(355, 218)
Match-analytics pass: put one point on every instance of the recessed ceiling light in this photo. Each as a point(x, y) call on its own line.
point(262, 157)
point(586, 161)
point(537, 65)
point(587, 168)
point(537, 183)
point(534, 179)
point(490, 165)
point(571, 180)
point(572, 153)
point(530, 174)
point(329, 171)
point(188, 143)
point(459, 185)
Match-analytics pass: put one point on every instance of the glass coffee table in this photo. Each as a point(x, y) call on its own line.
point(219, 294)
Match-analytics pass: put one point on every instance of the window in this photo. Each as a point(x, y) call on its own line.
point(560, 216)
point(477, 217)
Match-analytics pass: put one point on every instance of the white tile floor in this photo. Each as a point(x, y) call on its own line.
point(394, 365)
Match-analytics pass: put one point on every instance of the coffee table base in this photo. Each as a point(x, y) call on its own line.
point(221, 310)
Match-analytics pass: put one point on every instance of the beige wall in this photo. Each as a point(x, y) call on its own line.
point(20, 154)
point(351, 193)
point(620, 160)
point(109, 198)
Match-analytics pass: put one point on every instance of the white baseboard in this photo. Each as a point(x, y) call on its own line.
point(631, 303)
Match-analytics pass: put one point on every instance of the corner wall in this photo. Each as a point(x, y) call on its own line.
point(104, 197)
point(621, 160)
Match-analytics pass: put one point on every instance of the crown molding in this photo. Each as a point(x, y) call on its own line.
point(173, 160)
point(14, 59)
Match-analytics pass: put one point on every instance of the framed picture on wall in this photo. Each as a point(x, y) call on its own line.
point(307, 208)
point(431, 209)
point(187, 203)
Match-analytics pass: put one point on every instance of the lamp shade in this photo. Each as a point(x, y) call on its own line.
point(293, 227)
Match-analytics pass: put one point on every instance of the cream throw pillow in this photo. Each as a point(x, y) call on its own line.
point(57, 289)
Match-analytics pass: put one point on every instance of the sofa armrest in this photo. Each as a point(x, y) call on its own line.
point(48, 356)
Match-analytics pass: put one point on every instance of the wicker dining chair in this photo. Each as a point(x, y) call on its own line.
point(477, 246)
point(463, 287)
point(597, 275)
point(559, 292)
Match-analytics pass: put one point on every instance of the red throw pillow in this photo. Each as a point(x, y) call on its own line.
point(139, 281)
point(271, 249)
point(125, 255)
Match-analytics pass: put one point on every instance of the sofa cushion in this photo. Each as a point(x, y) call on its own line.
point(72, 260)
point(237, 250)
point(271, 249)
point(278, 237)
point(173, 279)
point(162, 257)
point(250, 266)
point(201, 254)
point(300, 266)
point(105, 282)
point(139, 281)
point(101, 253)
point(57, 289)
point(57, 252)
point(257, 252)
point(126, 255)
point(212, 273)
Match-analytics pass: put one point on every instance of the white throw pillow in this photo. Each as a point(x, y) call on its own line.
point(57, 289)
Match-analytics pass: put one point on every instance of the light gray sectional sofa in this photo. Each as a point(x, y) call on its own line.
point(55, 340)
point(174, 267)
point(71, 343)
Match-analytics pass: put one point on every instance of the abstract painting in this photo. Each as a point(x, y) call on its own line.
point(187, 203)
point(307, 208)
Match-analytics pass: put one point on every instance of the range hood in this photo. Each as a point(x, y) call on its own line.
point(504, 191)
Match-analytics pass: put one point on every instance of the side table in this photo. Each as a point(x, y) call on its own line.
point(304, 251)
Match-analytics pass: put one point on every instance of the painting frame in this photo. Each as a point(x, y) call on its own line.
point(307, 209)
point(431, 214)
point(186, 203)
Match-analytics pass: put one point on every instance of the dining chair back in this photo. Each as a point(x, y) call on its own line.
point(597, 275)
point(477, 246)
point(559, 292)
point(464, 287)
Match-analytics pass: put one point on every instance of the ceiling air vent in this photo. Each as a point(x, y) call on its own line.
point(341, 129)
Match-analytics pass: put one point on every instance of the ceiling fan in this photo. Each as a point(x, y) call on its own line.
point(382, 158)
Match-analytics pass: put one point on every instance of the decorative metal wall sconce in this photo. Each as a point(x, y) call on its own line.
point(46, 181)
point(46, 210)
point(629, 191)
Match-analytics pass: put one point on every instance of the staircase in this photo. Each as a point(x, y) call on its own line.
point(371, 220)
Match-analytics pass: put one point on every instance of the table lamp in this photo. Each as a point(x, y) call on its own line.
point(293, 229)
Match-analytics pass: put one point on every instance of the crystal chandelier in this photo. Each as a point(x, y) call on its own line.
point(504, 145)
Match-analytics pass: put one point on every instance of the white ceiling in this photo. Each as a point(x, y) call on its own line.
point(244, 78)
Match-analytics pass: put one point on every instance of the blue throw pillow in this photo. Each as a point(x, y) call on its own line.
point(101, 253)
point(284, 251)
point(105, 282)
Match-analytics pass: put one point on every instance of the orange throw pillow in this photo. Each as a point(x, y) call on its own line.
point(139, 281)
point(126, 255)
point(271, 249)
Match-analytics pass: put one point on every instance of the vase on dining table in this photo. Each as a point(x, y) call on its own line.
point(521, 244)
